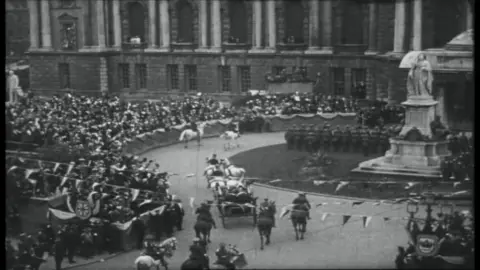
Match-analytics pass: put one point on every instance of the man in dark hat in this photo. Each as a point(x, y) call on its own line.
point(302, 199)
point(60, 250)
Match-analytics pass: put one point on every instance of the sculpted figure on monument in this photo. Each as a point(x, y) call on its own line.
point(420, 78)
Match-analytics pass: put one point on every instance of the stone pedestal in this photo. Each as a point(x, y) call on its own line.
point(413, 153)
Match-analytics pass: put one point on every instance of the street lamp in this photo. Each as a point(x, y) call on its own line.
point(412, 209)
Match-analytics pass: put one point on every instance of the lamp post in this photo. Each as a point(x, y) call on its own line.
point(412, 209)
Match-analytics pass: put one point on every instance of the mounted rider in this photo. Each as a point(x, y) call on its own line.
point(198, 251)
point(301, 199)
point(192, 125)
point(224, 257)
point(265, 206)
point(207, 217)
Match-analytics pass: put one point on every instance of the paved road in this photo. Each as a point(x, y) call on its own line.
point(328, 244)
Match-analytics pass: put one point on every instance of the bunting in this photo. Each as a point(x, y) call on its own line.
point(346, 218)
point(341, 185)
point(366, 220)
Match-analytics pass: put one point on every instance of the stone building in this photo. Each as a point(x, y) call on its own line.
point(145, 49)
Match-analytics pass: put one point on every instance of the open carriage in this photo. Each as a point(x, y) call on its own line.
point(233, 205)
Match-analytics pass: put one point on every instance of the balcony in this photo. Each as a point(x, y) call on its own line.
point(292, 46)
point(228, 46)
point(134, 46)
point(350, 49)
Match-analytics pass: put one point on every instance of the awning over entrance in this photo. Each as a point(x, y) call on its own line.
point(455, 56)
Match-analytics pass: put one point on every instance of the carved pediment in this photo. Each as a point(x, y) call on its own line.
point(67, 17)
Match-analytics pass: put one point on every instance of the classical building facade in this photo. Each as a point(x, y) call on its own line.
point(145, 49)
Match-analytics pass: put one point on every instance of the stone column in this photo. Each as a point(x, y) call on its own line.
point(257, 25)
point(271, 22)
point(313, 27)
point(117, 25)
point(216, 26)
point(417, 24)
point(33, 11)
point(327, 26)
point(100, 23)
point(469, 16)
point(203, 21)
point(165, 25)
point(152, 21)
point(372, 28)
point(46, 29)
point(400, 22)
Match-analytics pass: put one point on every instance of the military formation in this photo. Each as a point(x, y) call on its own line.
point(355, 139)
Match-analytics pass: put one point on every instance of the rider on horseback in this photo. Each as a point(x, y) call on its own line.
point(207, 217)
point(198, 251)
point(223, 257)
point(265, 207)
point(301, 199)
point(213, 161)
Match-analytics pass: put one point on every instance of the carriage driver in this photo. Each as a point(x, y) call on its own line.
point(264, 206)
point(213, 160)
point(198, 251)
point(302, 199)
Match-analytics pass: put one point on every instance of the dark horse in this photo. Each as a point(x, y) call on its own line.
point(193, 264)
point(299, 219)
point(265, 222)
point(204, 223)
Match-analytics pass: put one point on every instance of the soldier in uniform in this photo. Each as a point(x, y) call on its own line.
point(337, 138)
point(310, 139)
point(374, 140)
point(301, 137)
point(365, 137)
point(355, 139)
point(319, 144)
point(384, 141)
point(347, 138)
point(289, 136)
point(327, 138)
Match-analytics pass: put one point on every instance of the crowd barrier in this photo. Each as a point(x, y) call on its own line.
point(276, 123)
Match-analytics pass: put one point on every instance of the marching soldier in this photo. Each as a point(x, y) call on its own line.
point(319, 132)
point(374, 140)
point(337, 138)
point(327, 138)
point(365, 137)
point(356, 139)
point(301, 137)
point(347, 138)
point(289, 136)
point(310, 139)
point(384, 141)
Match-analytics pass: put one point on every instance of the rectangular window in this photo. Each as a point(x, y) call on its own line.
point(303, 70)
point(358, 75)
point(226, 77)
point(245, 79)
point(141, 75)
point(172, 76)
point(64, 74)
point(191, 77)
point(339, 81)
point(124, 70)
point(277, 70)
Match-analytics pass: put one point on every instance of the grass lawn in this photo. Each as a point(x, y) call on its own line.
point(276, 162)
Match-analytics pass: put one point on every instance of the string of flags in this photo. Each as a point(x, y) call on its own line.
point(56, 165)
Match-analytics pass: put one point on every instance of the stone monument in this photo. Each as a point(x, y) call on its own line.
point(416, 151)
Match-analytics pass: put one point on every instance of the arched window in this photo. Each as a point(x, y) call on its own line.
point(447, 21)
point(136, 20)
point(352, 22)
point(238, 21)
point(294, 17)
point(185, 22)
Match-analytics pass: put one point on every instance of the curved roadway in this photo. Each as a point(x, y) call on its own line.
point(328, 244)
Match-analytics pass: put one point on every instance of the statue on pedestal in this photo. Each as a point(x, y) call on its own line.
point(420, 78)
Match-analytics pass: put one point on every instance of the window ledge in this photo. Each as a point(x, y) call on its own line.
point(350, 49)
point(236, 46)
point(134, 46)
point(190, 46)
point(292, 46)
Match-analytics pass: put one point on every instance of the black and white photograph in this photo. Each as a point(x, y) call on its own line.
point(239, 134)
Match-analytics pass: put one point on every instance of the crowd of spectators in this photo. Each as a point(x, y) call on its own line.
point(461, 164)
point(381, 114)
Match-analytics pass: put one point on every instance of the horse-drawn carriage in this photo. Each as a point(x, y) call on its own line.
point(158, 251)
point(236, 202)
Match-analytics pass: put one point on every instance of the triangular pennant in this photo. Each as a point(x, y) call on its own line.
point(284, 212)
point(345, 219)
point(318, 182)
point(192, 200)
point(366, 220)
point(324, 216)
point(70, 167)
point(55, 168)
point(63, 181)
point(357, 203)
point(28, 172)
point(135, 193)
point(341, 185)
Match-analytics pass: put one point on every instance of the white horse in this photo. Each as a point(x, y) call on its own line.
point(145, 262)
point(230, 136)
point(232, 171)
point(188, 134)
